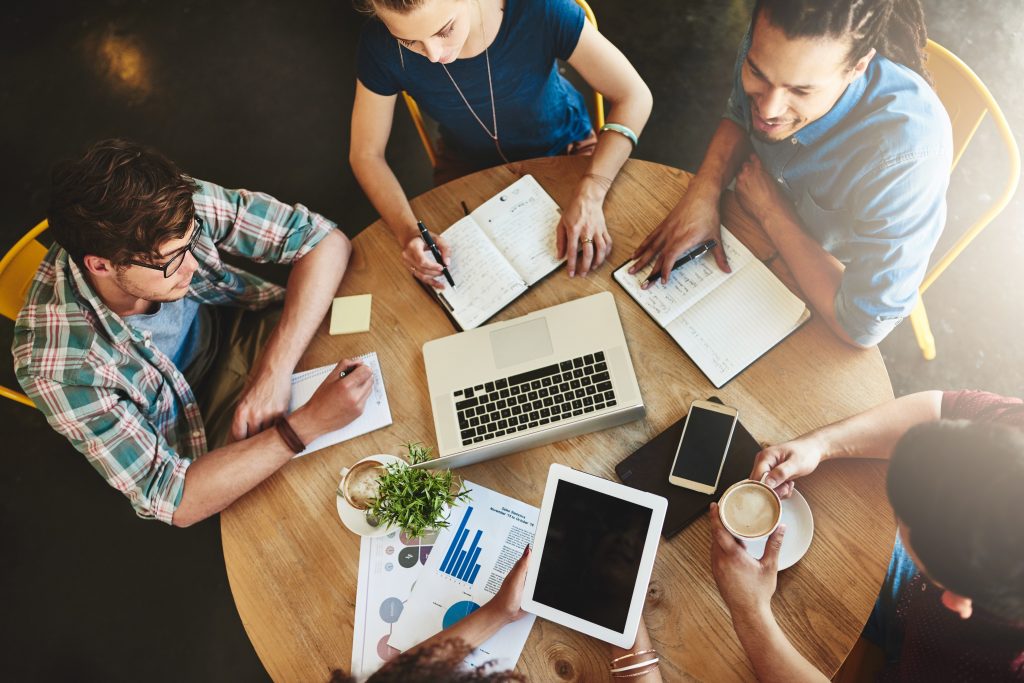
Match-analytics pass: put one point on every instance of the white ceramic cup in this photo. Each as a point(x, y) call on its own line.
point(750, 510)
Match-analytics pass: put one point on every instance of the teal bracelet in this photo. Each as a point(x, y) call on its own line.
point(621, 130)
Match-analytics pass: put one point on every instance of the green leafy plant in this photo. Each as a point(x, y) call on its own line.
point(412, 499)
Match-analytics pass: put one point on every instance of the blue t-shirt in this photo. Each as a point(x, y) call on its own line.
point(539, 113)
point(175, 328)
point(868, 180)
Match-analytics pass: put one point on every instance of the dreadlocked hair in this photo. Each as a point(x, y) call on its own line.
point(894, 28)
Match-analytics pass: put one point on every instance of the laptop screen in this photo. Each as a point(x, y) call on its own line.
point(592, 555)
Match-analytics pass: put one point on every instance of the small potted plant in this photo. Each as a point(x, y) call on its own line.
point(415, 500)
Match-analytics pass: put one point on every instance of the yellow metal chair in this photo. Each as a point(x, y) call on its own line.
point(17, 268)
point(967, 100)
point(417, 116)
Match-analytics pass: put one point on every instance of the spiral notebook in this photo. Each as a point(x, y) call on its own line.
point(376, 412)
point(722, 321)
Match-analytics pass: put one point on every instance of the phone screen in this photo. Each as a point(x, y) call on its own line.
point(703, 446)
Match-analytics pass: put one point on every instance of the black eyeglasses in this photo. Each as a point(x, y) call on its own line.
point(174, 263)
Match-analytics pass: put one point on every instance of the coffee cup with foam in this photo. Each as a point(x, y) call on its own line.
point(750, 509)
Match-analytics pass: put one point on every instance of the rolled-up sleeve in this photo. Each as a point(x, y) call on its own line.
point(123, 446)
point(257, 226)
point(900, 213)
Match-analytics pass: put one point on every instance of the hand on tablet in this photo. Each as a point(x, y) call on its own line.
point(509, 598)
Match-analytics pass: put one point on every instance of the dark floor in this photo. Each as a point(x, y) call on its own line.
point(255, 93)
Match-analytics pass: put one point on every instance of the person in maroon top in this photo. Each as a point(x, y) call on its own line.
point(952, 606)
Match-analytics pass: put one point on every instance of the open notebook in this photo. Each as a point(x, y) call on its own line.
point(723, 321)
point(499, 251)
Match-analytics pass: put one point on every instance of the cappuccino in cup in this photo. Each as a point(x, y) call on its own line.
point(360, 483)
point(750, 510)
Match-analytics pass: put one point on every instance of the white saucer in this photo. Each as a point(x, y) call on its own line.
point(355, 520)
point(796, 515)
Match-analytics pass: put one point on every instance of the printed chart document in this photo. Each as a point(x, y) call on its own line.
point(376, 414)
point(723, 321)
point(469, 560)
point(388, 568)
point(499, 251)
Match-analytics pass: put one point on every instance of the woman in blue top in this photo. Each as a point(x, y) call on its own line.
point(485, 70)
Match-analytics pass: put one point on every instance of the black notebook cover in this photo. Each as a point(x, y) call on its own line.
point(647, 470)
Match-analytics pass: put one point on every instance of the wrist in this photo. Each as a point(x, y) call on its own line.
point(594, 187)
point(305, 425)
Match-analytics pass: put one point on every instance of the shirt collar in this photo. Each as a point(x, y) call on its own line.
point(843, 106)
point(108, 320)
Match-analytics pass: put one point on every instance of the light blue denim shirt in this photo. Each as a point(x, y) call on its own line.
point(868, 181)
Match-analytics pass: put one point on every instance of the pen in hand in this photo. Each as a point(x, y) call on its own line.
point(694, 253)
point(425, 234)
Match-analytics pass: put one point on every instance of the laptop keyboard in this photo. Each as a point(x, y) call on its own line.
point(547, 395)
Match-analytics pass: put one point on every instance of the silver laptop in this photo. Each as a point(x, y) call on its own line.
point(553, 374)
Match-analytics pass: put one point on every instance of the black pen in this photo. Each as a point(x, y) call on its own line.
point(696, 252)
point(348, 371)
point(425, 234)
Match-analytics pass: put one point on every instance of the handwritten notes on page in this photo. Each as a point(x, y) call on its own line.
point(687, 285)
point(376, 413)
point(484, 281)
point(748, 315)
point(521, 221)
point(723, 321)
point(499, 250)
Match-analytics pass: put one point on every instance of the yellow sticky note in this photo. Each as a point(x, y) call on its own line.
point(351, 314)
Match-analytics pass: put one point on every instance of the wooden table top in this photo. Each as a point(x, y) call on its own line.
point(292, 565)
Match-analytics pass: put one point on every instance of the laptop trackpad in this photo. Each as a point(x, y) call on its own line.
point(521, 343)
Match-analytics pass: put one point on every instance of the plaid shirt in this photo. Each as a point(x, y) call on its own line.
point(106, 387)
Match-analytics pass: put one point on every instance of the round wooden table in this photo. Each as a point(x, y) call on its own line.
point(292, 565)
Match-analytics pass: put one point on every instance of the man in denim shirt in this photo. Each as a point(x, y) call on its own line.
point(850, 164)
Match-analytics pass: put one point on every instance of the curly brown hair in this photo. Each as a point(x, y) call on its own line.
point(441, 663)
point(120, 201)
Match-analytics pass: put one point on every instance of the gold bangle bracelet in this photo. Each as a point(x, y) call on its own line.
point(632, 654)
point(638, 673)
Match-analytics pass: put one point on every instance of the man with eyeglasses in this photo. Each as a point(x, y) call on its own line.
point(169, 369)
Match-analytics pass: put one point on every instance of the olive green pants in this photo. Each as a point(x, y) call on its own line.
point(237, 337)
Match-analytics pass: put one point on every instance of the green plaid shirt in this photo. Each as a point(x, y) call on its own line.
point(107, 388)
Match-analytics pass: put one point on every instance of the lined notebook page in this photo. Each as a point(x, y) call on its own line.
point(740, 321)
point(521, 221)
point(688, 284)
point(484, 280)
point(376, 413)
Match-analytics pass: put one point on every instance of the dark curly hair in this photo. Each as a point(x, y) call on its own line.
point(120, 201)
point(895, 28)
point(959, 488)
point(441, 663)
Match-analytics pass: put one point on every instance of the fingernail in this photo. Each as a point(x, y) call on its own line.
point(572, 274)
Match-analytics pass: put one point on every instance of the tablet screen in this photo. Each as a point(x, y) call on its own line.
point(591, 555)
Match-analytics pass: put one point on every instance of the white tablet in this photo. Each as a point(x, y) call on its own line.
point(593, 554)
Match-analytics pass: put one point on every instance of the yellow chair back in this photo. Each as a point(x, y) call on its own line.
point(967, 101)
point(421, 129)
point(17, 268)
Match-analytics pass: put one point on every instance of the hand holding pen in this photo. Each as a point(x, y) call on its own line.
point(421, 262)
point(694, 253)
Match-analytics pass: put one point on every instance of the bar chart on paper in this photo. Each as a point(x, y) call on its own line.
point(459, 561)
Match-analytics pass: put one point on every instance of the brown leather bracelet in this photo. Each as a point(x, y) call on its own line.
point(291, 439)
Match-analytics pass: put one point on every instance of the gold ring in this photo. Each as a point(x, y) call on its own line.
point(588, 240)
